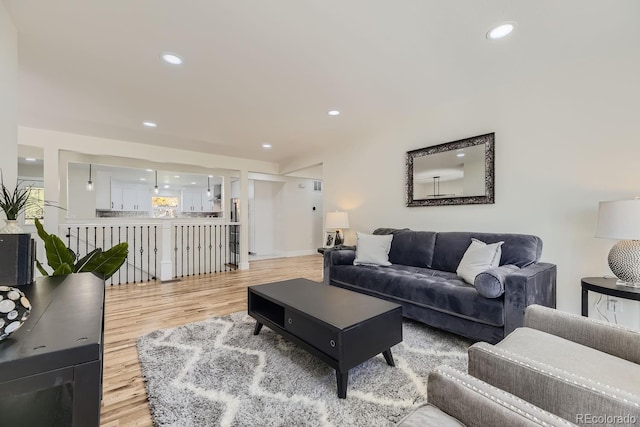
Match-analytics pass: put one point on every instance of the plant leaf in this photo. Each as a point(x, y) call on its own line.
point(86, 259)
point(41, 268)
point(58, 253)
point(108, 262)
point(43, 234)
point(62, 270)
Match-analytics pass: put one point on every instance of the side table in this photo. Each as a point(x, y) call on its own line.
point(605, 286)
point(336, 248)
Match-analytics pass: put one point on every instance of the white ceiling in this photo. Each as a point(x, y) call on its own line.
point(268, 71)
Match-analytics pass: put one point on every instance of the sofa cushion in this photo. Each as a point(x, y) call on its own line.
point(438, 290)
point(413, 248)
point(478, 257)
point(574, 358)
point(372, 250)
point(490, 283)
point(518, 249)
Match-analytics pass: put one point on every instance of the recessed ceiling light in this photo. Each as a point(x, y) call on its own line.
point(266, 145)
point(193, 183)
point(149, 170)
point(210, 176)
point(150, 124)
point(334, 112)
point(176, 176)
point(501, 30)
point(30, 159)
point(166, 186)
point(143, 179)
point(460, 154)
point(172, 58)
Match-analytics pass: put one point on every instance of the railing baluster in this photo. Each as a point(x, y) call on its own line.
point(182, 251)
point(155, 252)
point(199, 254)
point(148, 253)
point(77, 241)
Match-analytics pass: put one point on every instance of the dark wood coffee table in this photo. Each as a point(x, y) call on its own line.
point(340, 327)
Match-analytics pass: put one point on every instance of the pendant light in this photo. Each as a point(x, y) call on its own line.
point(155, 188)
point(208, 188)
point(89, 183)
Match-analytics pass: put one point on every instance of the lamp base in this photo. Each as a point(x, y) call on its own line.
point(629, 284)
point(624, 262)
point(339, 238)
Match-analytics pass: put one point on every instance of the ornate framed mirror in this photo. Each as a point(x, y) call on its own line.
point(455, 173)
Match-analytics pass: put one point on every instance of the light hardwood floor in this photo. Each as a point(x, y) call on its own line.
point(137, 309)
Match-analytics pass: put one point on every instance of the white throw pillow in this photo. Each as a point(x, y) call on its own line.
point(373, 249)
point(479, 257)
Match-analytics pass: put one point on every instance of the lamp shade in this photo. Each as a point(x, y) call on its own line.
point(619, 219)
point(337, 220)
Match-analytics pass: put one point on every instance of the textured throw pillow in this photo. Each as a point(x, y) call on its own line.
point(478, 257)
point(490, 283)
point(372, 250)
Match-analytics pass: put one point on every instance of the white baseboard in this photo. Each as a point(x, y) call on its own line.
point(285, 254)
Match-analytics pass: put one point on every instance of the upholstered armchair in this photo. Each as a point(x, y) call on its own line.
point(457, 399)
point(583, 370)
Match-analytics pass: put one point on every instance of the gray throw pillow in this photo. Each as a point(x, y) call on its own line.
point(478, 257)
point(490, 283)
point(372, 250)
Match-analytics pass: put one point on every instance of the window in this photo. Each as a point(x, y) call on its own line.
point(35, 205)
point(317, 185)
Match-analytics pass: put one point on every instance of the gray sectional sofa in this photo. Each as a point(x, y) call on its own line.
point(422, 278)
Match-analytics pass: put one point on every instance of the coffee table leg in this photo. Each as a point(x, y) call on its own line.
point(388, 357)
point(257, 329)
point(342, 378)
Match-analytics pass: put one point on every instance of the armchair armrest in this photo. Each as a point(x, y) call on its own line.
point(476, 403)
point(569, 395)
point(612, 339)
point(534, 284)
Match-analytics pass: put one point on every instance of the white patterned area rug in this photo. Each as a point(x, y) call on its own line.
point(217, 373)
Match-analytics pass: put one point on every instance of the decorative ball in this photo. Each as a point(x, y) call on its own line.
point(14, 310)
point(624, 260)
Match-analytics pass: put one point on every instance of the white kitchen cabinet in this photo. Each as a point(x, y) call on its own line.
point(130, 199)
point(116, 196)
point(134, 199)
point(198, 201)
point(192, 201)
point(102, 184)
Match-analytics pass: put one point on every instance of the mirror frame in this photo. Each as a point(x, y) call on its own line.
point(488, 140)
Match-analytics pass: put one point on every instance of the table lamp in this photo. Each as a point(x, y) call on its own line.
point(338, 221)
point(620, 220)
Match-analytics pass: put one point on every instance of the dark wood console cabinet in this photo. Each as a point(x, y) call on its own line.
point(51, 368)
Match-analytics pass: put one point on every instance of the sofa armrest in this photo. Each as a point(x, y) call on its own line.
point(612, 339)
point(534, 284)
point(476, 403)
point(336, 257)
point(570, 396)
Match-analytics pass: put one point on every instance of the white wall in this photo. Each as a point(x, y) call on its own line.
point(564, 142)
point(298, 227)
point(264, 221)
point(81, 203)
point(8, 99)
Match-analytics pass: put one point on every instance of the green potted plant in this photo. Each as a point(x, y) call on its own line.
point(12, 204)
point(62, 259)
